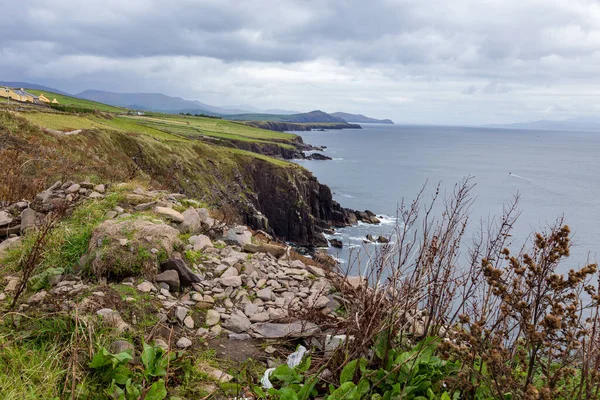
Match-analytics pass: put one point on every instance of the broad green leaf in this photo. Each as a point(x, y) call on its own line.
point(445, 396)
point(148, 356)
point(304, 364)
point(157, 391)
point(348, 372)
point(363, 388)
point(309, 385)
point(287, 394)
point(347, 391)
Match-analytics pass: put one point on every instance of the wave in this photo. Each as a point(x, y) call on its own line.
point(387, 220)
point(344, 195)
point(519, 177)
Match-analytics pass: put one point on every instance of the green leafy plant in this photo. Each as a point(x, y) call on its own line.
point(128, 383)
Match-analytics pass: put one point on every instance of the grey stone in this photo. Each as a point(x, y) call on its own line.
point(239, 235)
point(189, 322)
point(170, 277)
point(9, 244)
point(250, 309)
point(186, 276)
point(296, 329)
point(231, 271)
point(5, 218)
point(100, 188)
point(184, 343)
point(200, 242)
point(260, 317)
point(239, 336)
point(237, 323)
point(264, 294)
point(233, 281)
point(181, 313)
point(191, 221)
point(120, 346)
point(72, 189)
point(202, 332)
point(212, 317)
point(111, 214)
point(162, 344)
point(95, 195)
point(169, 214)
point(146, 287)
point(37, 298)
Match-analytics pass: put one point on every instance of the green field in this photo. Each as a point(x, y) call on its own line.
point(75, 102)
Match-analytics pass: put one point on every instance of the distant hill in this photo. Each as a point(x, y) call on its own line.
point(309, 117)
point(33, 86)
point(586, 124)
point(361, 118)
point(149, 102)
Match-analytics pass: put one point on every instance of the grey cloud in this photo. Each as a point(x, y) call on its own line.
point(369, 50)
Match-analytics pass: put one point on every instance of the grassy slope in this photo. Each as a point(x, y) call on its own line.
point(73, 101)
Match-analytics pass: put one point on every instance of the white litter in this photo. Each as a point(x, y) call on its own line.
point(264, 381)
point(293, 361)
point(295, 358)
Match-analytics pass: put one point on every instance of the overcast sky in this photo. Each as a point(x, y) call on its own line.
point(415, 61)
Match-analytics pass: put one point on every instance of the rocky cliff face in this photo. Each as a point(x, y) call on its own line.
point(292, 126)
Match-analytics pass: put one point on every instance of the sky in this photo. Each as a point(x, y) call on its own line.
point(461, 62)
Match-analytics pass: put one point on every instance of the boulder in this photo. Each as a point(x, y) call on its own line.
point(231, 281)
point(295, 329)
point(100, 188)
point(264, 294)
point(238, 323)
point(370, 238)
point(146, 287)
point(112, 319)
point(8, 244)
point(74, 188)
point(191, 221)
point(186, 276)
point(231, 271)
point(274, 250)
point(171, 278)
point(212, 317)
point(5, 218)
point(27, 219)
point(112, 260)
point(200, 242)
point(169, 214)
point(382, 239)
point(336, 243)
point(239, 235)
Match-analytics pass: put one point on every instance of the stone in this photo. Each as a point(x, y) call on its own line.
point(382, 239)
point(171, 278)
point(277, 313)
point(231, 271)
point(162, 344)
point(120, 346)
point(332, 343)
point(295, 329)
point(112, 319)
point(184, 343)
point(95, 195)
point(181, 313)
point(12, 285)
point(270, 349)
point(200, 242)
point(355, 281)
point(109, 259)
point(239, 235)
point(216, 330)
point(5, 218)
point(74, 188)
point(319, 302)
point(216, 374)
point(86, 184)
point(237, 323)
point(250, 309)
point(316, 271)
point(186, 276)
point(37, 298)
point(239, 336)
point(202, 332)
point(212, 317)
point(169, 214)
point(264, 294)
point(111, 214)
point(9, 243)
point(146, 287)
point(100, 188)
point(274, 250)
point(260, 317)
point(144, 206)
point(189, 322)
point(2, 296)
point(191, 221)
point(336, 243)
point(233, 281)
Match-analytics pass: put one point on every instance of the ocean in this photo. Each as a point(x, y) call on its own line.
point(555, 173)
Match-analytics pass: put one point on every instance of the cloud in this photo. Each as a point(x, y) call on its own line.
point(413, 61)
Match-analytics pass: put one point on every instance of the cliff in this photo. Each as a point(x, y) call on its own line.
point(296, 205)
point(293, 126)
